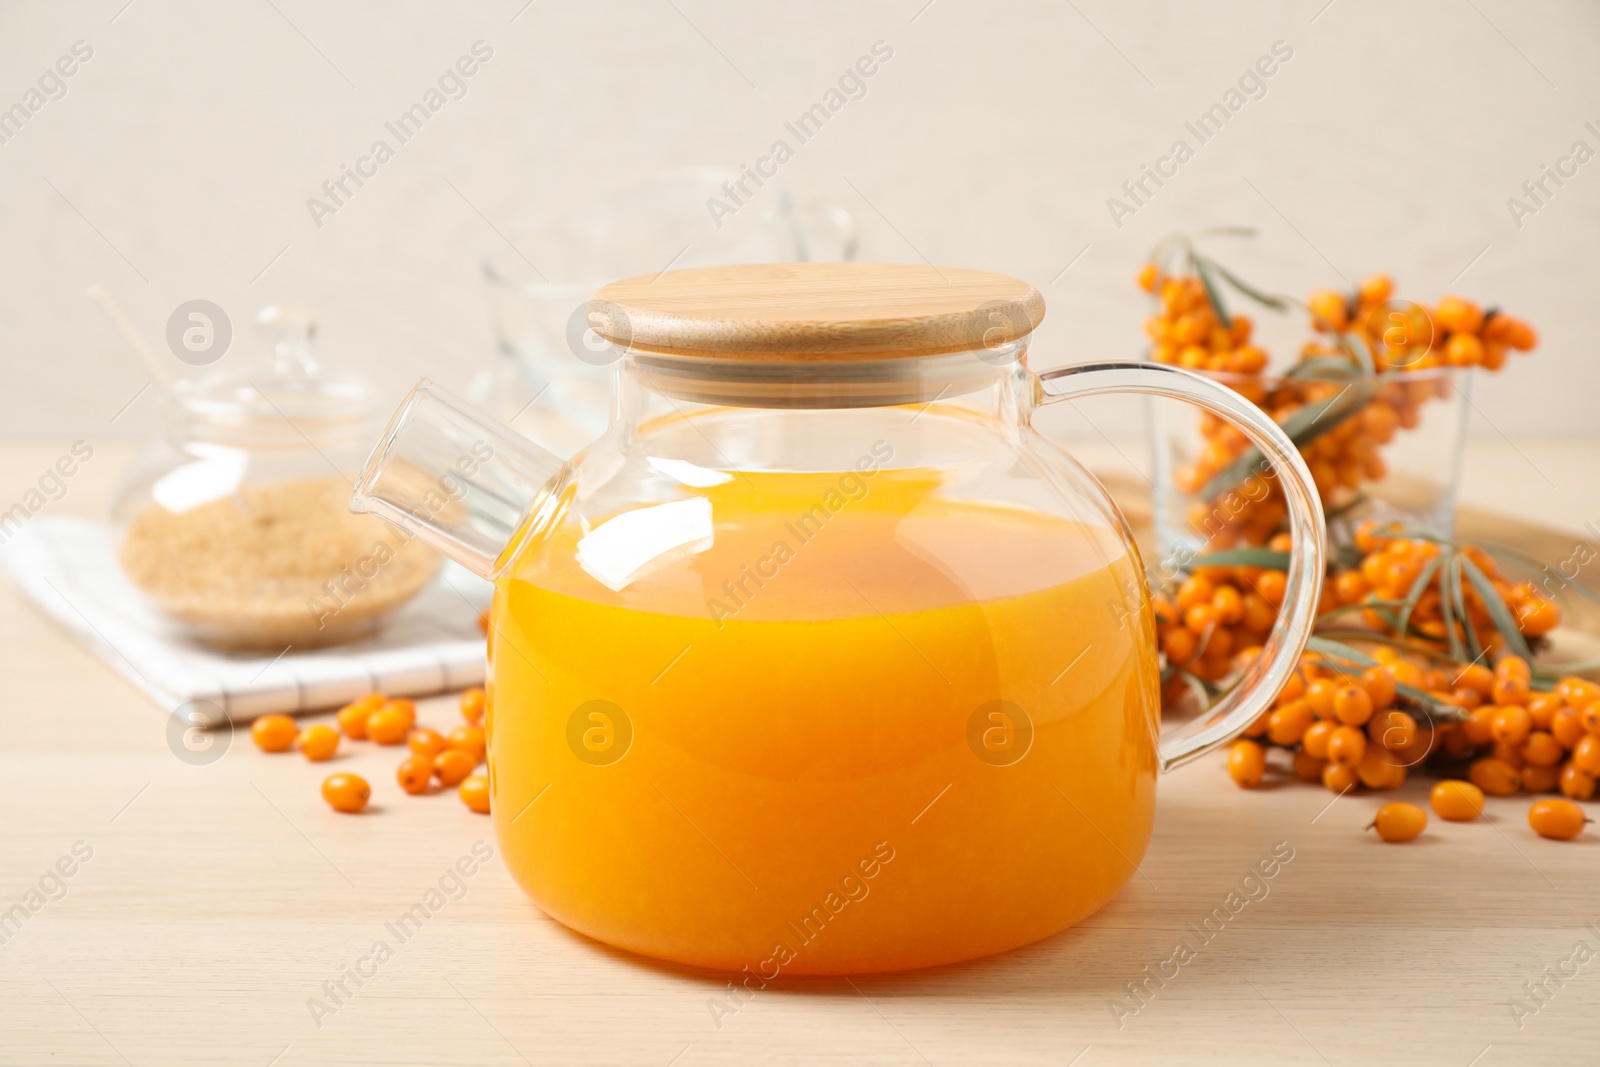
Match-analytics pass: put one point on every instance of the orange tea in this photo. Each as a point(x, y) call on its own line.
point(824, 695)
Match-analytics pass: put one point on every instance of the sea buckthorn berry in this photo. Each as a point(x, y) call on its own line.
point(1287, 725)
point(1376, 771)
point(1350, 586)
point(1576, 782)
point(1456, 801)
point(1319, 694)
point(274, 733)
point(1542, 749)
point(1495, 777)
point(1479, 727)
point(1352, 705)
point(1567, 726)
point(1559, 820)
point(1513, 667)
point(472, 705)
point(1511, 725)
point(468, 739)
point(1586, 755)
point(1273, 585)
point(1347, 746)
point(1228, 605)
point(1376, 289)
point(352, 719)
point(1328, 310)
point(388, 726)
point(426, 742)
point(1339, 778)
point(1396, 730)
point(1259, 727)
point(1538, 617)
point(318, 743)
point(414, 774)
point(402, 707)
point(1463, 350)
point(1317, 735)
point(1591, 717)
point(1200, 618)
point(1180, 645)
point(1455, 315)
point(1149, 277)
point(452, 765)
point(1542, 708)
point(1477, 677)
point(1507, 753)
point(1247, 763)
point(474, 793)
point(1195, 590)
point(1540, 779)
point(1379, 686)
point(1308, 768)
point(348, 793)
point(1399, 822)
point(1577, 692)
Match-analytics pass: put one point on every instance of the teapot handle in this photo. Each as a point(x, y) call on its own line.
point(1264, 678)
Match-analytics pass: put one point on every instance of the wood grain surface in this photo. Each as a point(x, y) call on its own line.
point(208, 903)
point(816, 310)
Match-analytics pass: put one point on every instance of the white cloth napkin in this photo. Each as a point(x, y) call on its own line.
point(433, 644)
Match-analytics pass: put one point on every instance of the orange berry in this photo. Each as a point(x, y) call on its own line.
point(1328, 310)
point(1455, 315)
point(1376, 289)
point(1347, 746)
point(1379, 686)
point(1540, 779)
point(1456, 801)
point(318, 743)
point(1591, 717)
point(1463, 350)
point(388, 726)
point(1352, 705)
point(452, 765)
point(1273, 585)
point(1538, 617)
point(1149, 277)
point(1559, 820)
point(274, 733)
point(402, 707)
point(1308, 768)
point(1399, 822)
point(1287, 725)
point(1319, 694)
point(1586, 755)
point(1395, 730)
point(1576, 782)
point(353, 716)
point(474, 793)
point(1247, 763)
point(1513, 667)
point(1577, 692)
point(1477, 677)
point(1339, 778)
point(348, 793)
point(414, 774)
point(1377, 772)
point(1542, 707)
point(1495, 777)
point(1479, 728)
point(472, 704)
point(1228, 605)
point(1510, 725)
point(1316, 738)
point(468, 739)
point(426, 742)
point(1566, 725)
point(1542, 749)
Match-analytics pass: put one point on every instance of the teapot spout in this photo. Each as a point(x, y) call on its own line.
point(470, 487)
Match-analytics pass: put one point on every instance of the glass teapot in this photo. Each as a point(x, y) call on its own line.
point(821, 660)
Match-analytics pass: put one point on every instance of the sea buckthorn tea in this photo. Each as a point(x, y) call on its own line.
point(821, 660)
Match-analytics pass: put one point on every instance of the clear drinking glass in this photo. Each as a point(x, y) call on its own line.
point(821, 665)
point(1388, 448)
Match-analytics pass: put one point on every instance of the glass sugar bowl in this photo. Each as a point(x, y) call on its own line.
point(233, 523)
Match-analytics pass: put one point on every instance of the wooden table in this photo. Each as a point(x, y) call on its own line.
point(219, 899)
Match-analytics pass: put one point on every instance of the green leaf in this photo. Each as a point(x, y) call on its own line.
point(1499, 614)
point(1325, 367)
point(1204, 271)
point(1338, 650)
point(1304, 426)
point(1414, 594)
point(1243, 557)
point(1453, 607)
point(1358, 348)
point(1277, 303)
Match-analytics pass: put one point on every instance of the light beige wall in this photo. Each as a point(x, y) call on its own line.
point(179, 162)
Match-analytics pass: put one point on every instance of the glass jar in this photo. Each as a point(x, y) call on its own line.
point(234, 523)
point(1384, 447)
point(821, 660)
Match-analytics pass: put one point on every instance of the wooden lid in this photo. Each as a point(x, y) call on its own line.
point(816, 311)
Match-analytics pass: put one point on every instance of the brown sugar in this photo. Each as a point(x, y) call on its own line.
point(272, 565)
